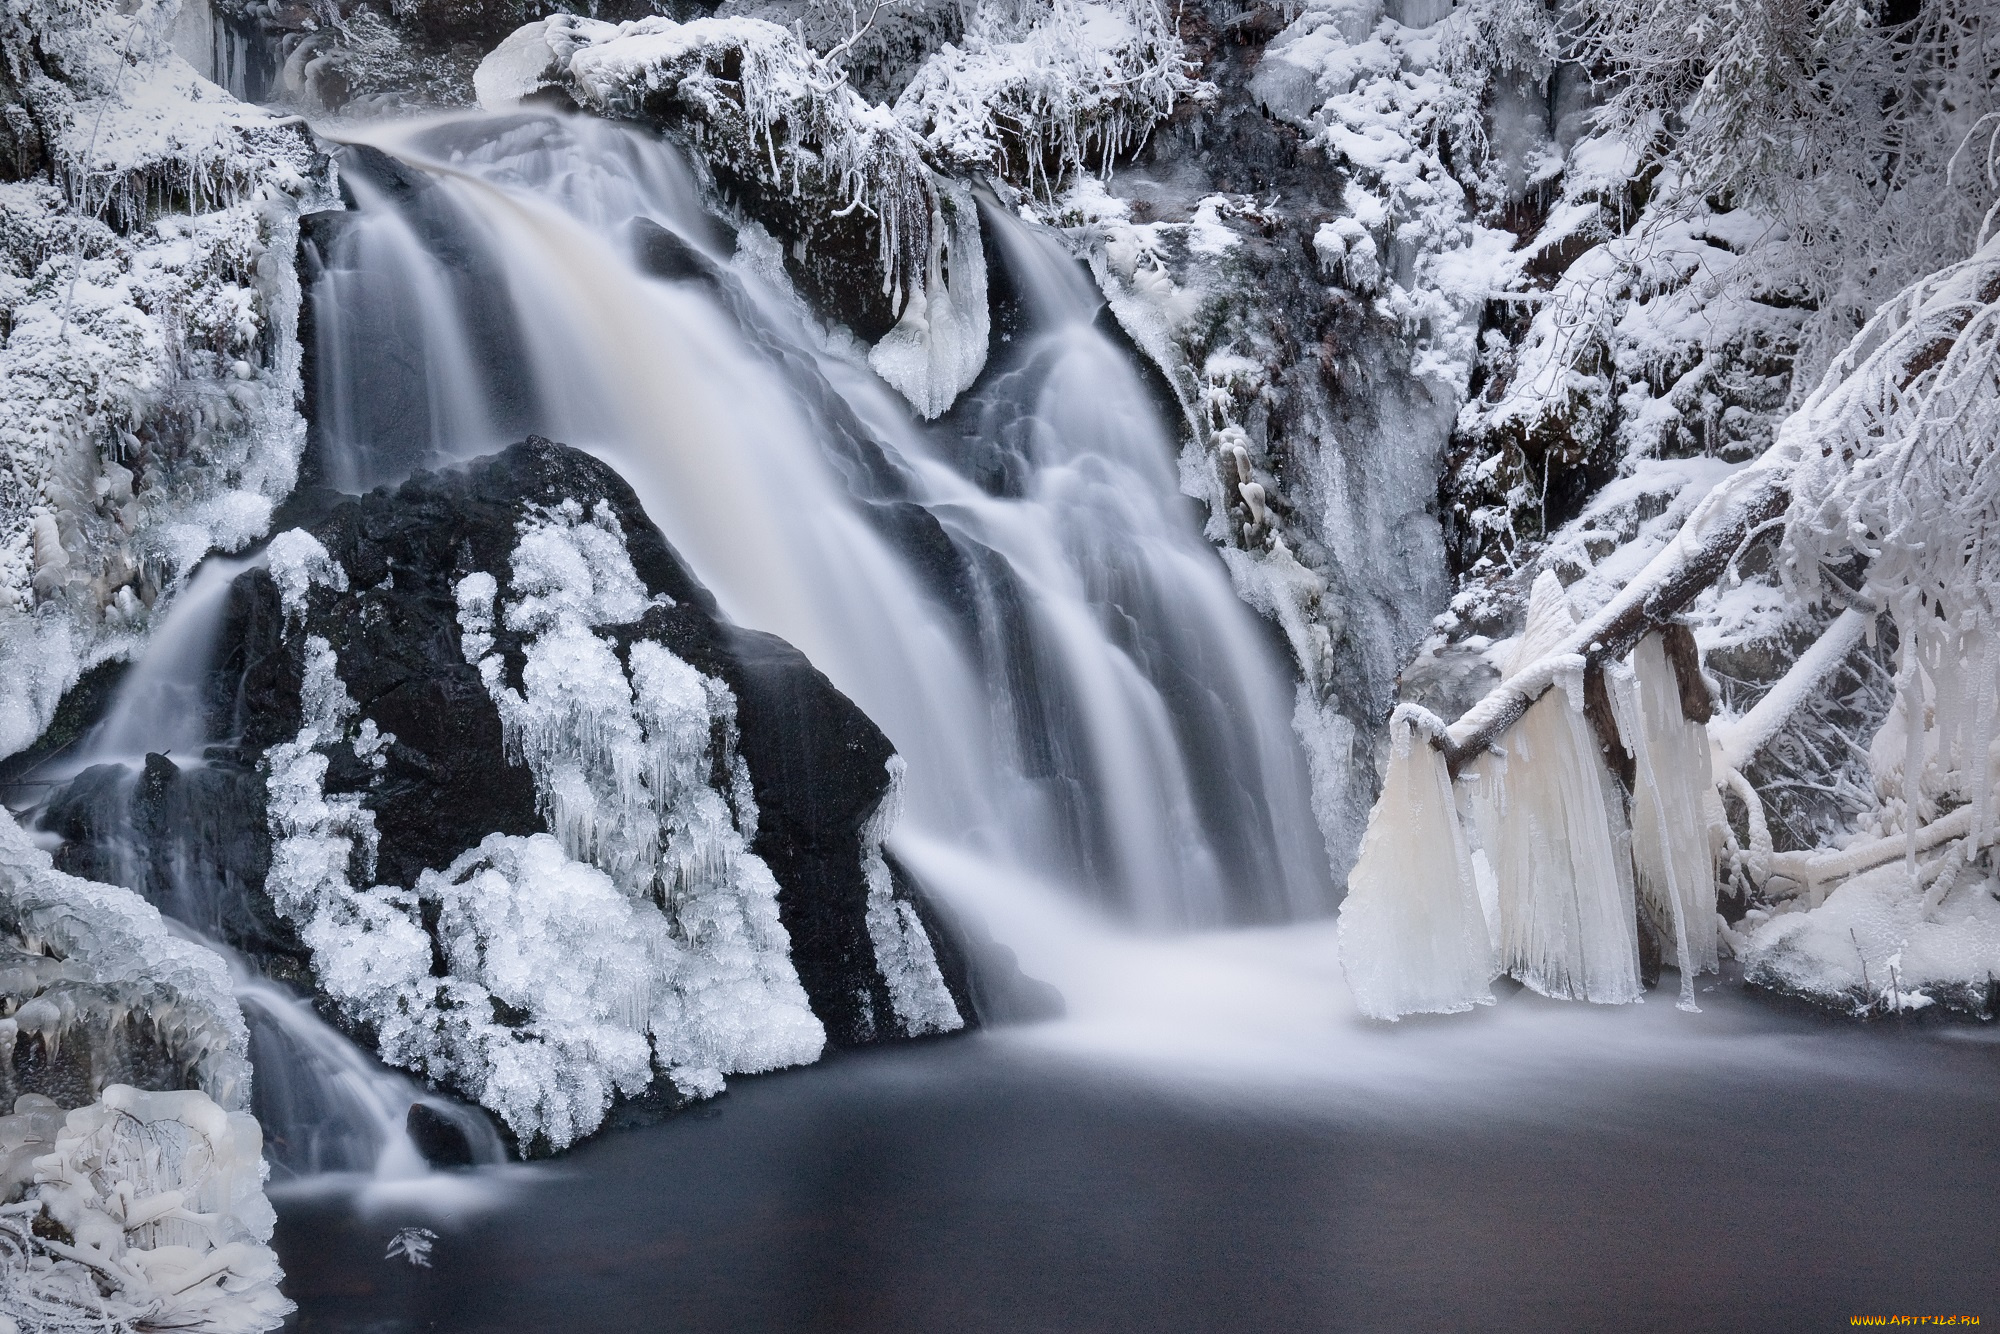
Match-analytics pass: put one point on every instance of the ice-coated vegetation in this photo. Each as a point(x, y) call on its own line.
point(1037, 92)
point(1887, 467)
point(141, 1211)
point(120, 1208)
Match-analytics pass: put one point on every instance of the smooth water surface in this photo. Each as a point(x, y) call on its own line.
point(1534, 1167)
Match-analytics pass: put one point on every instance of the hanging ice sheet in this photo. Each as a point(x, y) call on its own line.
point(1413, 937)
point(1549, 824)
point(1672, 855)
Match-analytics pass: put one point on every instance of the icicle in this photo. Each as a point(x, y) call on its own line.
point(1671, 852)
point(1413, 937)
point(1567, 925)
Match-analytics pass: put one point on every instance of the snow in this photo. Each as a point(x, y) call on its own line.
point(1039, 92)
point(1875, 944)
point(150, 371)
point(162, 1197)
point(1413, 934)
point(523, 64)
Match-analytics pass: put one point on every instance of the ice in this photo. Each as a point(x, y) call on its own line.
point(1671, 850)
point(118, 943)
point(1413, 936)
point(903, 950)
point(938, 347)
point(1038, 92)
point(1550, 824)
point(296, 562)
point(161, 1195)
point(150, 301)
point(646, 873)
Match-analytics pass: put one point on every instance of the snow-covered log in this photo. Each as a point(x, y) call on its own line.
point(1893, 457)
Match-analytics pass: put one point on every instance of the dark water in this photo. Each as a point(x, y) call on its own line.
point(1547, 1171)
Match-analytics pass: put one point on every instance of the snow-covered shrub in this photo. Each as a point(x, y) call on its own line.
point(1037, 92)
point(142, 1211)
point(150, 368)
point(1859, 130)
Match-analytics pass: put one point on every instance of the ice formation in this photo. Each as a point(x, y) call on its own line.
point(646, 876)
point(133, 1210)
point(1561, 855)
point(1036, 92)
point(903, 950)
point(296, 561)
point(1673, 807)
point(938, 347)
point(1413, 935)
point(150, 369)
point(93, 954)
point(141, 1211)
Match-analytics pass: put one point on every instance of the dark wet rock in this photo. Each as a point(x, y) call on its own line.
point(441, 1140)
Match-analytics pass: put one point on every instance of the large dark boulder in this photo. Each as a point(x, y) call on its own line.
point(817, 765)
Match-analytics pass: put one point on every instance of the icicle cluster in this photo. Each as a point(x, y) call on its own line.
point(87, 955)
point(640, 938)
point(1414, 938)
point(903, 951)
point(766, 105)
point(1037, 94)
point(1549, 819)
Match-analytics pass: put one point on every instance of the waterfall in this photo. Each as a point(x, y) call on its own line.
point(1018, 594)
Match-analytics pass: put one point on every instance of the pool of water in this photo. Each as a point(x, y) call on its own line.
point(1535, 1166)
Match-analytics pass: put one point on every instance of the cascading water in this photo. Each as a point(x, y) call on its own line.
point(1019, 595)
point(139, 805)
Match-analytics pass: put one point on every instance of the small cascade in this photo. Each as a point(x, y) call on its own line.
point(327, 1106)
point(162, 706)
point(1018, 594)
point(141, 804)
